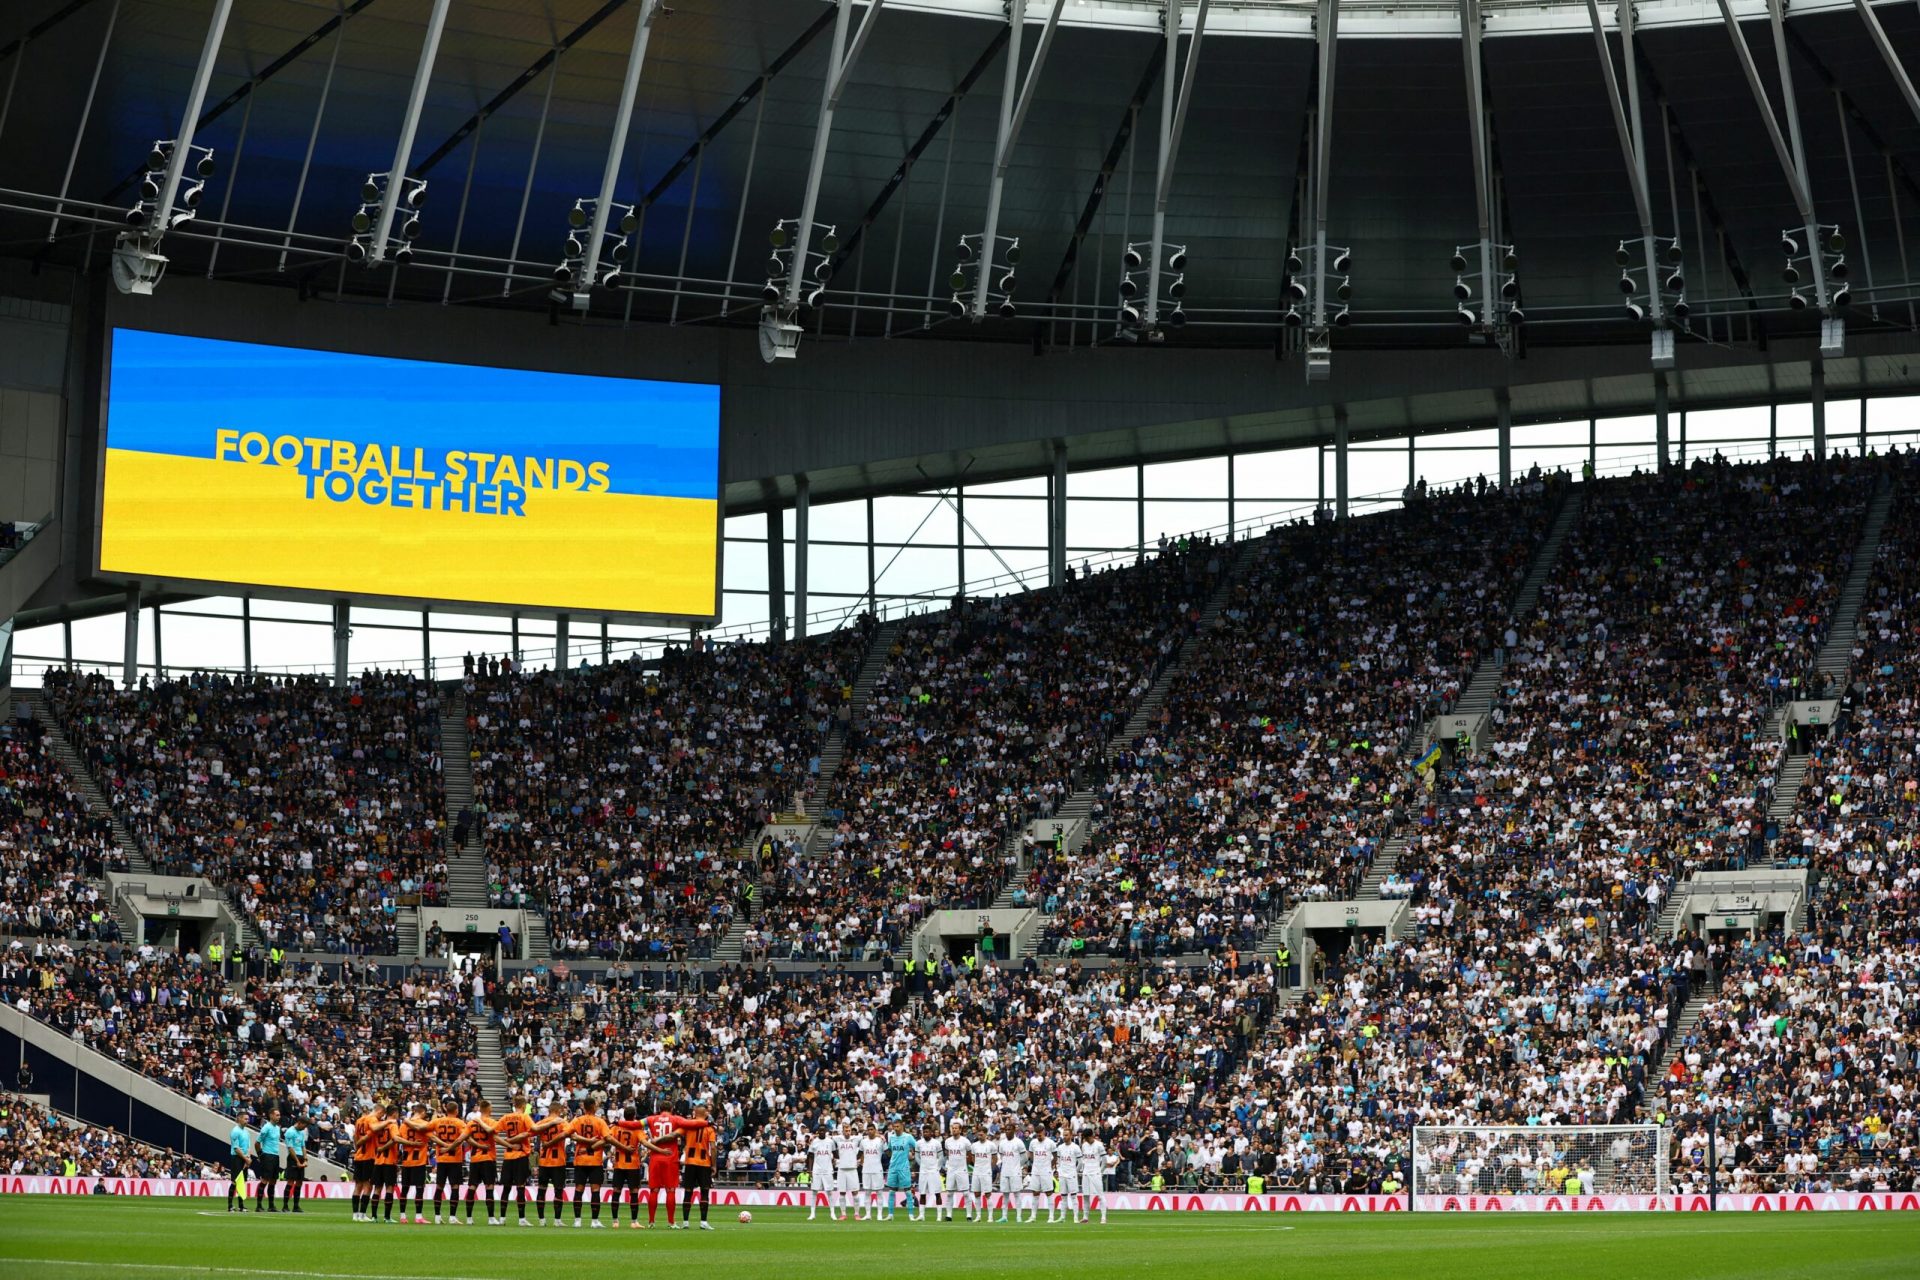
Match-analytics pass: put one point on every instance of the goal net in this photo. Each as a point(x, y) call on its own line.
point(1537, 1160)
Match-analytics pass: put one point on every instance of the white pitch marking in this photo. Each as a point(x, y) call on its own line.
point(220, 1271)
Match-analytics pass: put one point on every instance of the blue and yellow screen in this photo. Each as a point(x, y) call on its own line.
point(235, 462)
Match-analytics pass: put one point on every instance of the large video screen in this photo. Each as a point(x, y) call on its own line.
point(233, 462)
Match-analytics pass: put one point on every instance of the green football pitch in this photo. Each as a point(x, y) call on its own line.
point(49, 1238)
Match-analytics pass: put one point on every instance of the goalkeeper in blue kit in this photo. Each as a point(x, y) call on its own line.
point(899, 1170)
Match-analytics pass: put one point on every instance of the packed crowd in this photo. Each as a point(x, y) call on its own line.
point(1276, 770)
point(985, 716)
point(309, 1038)
point(53, 852)
point(318, 809)
point(623, 800)
point(35, 1142)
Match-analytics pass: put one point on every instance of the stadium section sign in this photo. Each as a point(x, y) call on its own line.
point(1147, 1202)
point(233, 463)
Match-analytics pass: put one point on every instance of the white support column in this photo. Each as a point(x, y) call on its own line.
point(1057, 515)
point(1503, 420)
point(1470, 28)
point(1012, 118)
point(776, 574)
point(1340, 451)
point(1327, 32)
point(190, 118)
point(342, 632)
point(409, 125)
point(1173, 123)
point(802, 510)
point(1818, 394)
point(839, 67)
point(1633, 147)
point(130, 648)
point(1660, 418)
point(159, 652)
point(589, 275)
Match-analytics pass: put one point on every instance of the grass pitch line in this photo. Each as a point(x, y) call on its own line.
point(205, 1269)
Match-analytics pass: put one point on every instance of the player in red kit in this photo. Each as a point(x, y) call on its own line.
point(663, 1130)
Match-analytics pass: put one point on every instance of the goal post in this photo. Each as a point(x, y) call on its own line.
point(1536, 1160)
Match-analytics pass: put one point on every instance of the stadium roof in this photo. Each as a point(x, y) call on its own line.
point(731, 90)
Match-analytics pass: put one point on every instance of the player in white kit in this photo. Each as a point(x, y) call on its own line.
point(983, 1150)
point(956, 1190)
point(873, 1178)
point(927, 1150)
point(1013, 1159)
point(1041, 1149)
point(1069, 1197)
point(821, 1148)
point(1093, 1176)
point(846, 1174)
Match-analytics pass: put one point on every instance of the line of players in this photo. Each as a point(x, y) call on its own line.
point(871, 1175)
point(396, 1155)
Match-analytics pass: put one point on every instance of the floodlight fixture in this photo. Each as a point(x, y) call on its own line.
point(1510, 288)
point(1177, 288)
point(1797, 300)
point(1293, 318)
point(1294, 265)
point(1342, 262)
point(1012, 253)
point(1467, 317)
point(1129, 287)
point(955, 307)
point(1515, 316)
point(1177, 318)
point(1461, 289)
point(1177, 260)
point(1837, 269)
point(1343, 317)
point(1789, 246)
point(1006, 309)
point(1680, 309)
point(1133, 259)
point(1129, 315)
point(1621, 256)
point(1627, 284)
point(1675, 282)
point(1635, 310)
point(1510, 259)
point(778, 236)
point(830, 241)
point(1790, 274)
point(1842, 295)
point(958, 280)
point(1458, 262)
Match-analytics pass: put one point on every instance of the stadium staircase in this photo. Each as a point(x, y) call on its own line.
point(492, 1063)
point(1078, 807)
point(406, 934)
point(1383, 866)
point(1154, 700)
point(1477, 698)
point(89, 786)
point(466, 864)
point(1835, 656)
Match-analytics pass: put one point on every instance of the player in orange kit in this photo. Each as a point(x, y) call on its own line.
point(551, 1137)
point(589, 1133)
point(515, 1135)
point(449, 1136)
point(366, 1142)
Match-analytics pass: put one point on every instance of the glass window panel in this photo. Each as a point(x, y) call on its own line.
point(838, 522)
point(1377, 476)
point(1021, 522)
point(917, 571)
point(1194, 478)
point(364, 616)
point(1176, 519)
point(744, 608)
point(226, 606)
point(1029, 570)
point(444, 619)
point(896, 517)
point(743, 566)
point(1113, 482)
point(196, 644)
point(837, 569)
point(379, 648)
point(1102, 525)
point(1282, 473)
point(292, 646)
point(751, 526)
